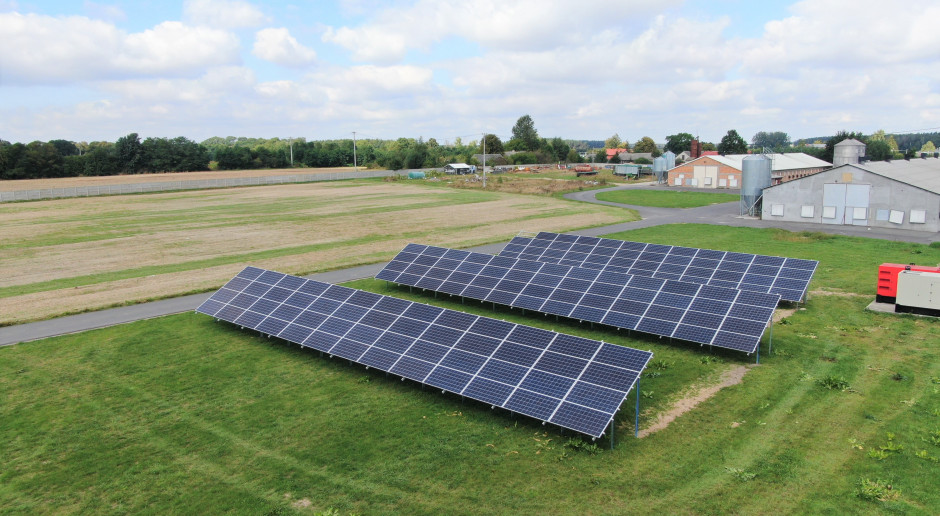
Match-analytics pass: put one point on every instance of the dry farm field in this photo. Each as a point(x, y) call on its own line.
point(72, 255)
point(71, 182)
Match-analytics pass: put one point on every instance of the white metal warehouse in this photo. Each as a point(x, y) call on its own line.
point(890, 194)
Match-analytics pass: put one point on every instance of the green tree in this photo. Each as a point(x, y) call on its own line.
point(613, 142)
point(560, 149)
point(771, 140)
point(878, 150)
point(129, 152)
point(524, 135)
point(732, 143)
point(709, 146)
point(928, 147)
point(892, 143)
point(677, 142)
point(573, 157)
point(601, 156)
point(646, 144)
point(41, 160)
point(493, 144)
point(65, 147)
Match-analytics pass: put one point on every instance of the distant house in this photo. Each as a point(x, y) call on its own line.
point(613, 152)
point(633, 156)
point(490, 159)
point(459, 168)
point(725, 171)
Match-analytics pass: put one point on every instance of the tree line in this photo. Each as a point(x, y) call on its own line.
point(131, 155)
point(128, 155)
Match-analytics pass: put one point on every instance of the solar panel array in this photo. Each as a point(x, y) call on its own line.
point(716, 316)
point(572, 382)
point(788, 277)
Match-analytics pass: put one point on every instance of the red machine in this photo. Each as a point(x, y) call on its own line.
point(888, 279)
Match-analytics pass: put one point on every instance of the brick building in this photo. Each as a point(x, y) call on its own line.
point(725, 171)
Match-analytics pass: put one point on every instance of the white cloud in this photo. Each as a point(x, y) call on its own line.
point(230, 14)
point(70, 49)
point(828, 33)
point(369, 83)
point(508, 25)
point(278, 46)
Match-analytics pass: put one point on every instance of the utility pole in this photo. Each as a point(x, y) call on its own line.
point(290, 140)
point(355, 163)
point(484, 160)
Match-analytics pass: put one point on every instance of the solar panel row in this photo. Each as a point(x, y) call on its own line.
point(569, 381)
point(788, 277)
point(716, 316)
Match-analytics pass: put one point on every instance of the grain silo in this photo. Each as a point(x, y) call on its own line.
point(659, 169)
point(755, 176)
point(670, 158)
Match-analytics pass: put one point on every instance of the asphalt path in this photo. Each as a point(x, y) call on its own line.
point(718, 214)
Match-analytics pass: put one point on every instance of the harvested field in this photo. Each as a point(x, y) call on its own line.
point(70, 182)
point(72, 255)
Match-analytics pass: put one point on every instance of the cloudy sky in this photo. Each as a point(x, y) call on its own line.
point(583, 69)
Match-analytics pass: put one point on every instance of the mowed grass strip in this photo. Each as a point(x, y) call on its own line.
point(73, 255)
point(666, 199)
point(186, 414)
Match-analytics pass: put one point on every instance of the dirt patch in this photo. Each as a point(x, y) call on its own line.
point(732, 376)
point(69, 182)
point(303, 503)
point(782, 313)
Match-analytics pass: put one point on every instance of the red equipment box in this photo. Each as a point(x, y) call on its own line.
point(888, 279)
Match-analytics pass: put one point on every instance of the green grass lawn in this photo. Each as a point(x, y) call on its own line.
point(666, 199)
point(186, 414)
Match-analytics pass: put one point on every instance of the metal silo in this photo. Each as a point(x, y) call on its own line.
point(755, 176)
point(670, 158)
point(659, 169)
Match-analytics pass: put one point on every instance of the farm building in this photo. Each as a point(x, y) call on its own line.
point(459, 168)
point(725, 171)
point(891, 194)
point(632, 156)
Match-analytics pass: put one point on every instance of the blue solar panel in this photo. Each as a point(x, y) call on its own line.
point(539, 373)
point(695, 312)
point(788, 277)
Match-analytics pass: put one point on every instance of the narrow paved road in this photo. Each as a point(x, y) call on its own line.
point(722, 214)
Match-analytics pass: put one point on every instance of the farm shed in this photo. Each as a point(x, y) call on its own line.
point(725, 171)
point(890, 194)
point(458, 168)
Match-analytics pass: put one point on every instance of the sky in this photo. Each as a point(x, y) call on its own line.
point(587, 69)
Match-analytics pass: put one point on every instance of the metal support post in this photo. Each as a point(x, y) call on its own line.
point(636, 421)
point(611, 434)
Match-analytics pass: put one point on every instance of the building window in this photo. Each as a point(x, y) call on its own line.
point(896, 217)
point(882, 215)
point(807, 211)
point(859, 213)
point(708, 181)
point(722, 183)
point(776, 210)
point(918, 217)
point(829, 212)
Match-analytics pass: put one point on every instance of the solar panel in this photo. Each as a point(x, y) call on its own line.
point(716, 316)
point(788, 277)
point(569, 381)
